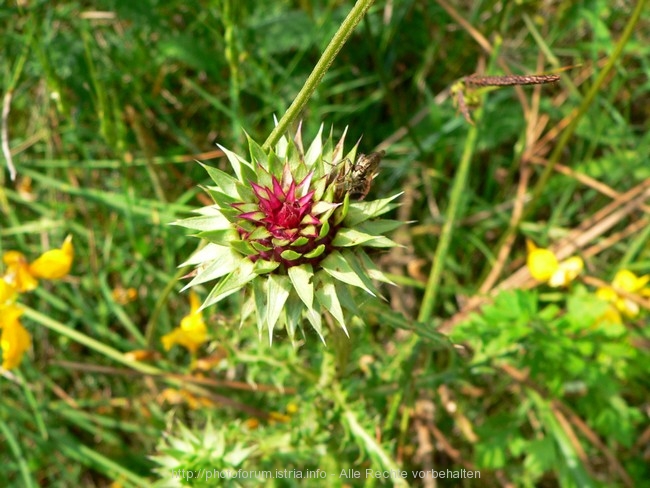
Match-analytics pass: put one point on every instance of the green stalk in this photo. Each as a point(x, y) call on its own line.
point(457, 191)
point(584, 106)
point(11, 441)
point(325, 61)
point(89, 342)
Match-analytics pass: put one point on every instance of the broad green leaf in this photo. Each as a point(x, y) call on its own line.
point(248, 306)
point(278, 289)
point(373, 271)
point(315, 149)
point(541, 456)
point(243, 247)
point(316, 322)
point(222, 199)
point(362, 211)
point(243, 169)
point(231, 283)
point(258, 155)
point(205, 223)
point(326, 296)
point(301, 278)
point(316, 252)
point(352, 237)
point(219, 237)
point(207, 253)
point(259, 294)
point(228, 184)
point(226, 261)
point(264, 267)
point(292, 311)
point(346, 269)
point(290, 255)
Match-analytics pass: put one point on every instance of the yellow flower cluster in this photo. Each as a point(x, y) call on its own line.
point(545, 267)
point(625, 283)
point(20, 277)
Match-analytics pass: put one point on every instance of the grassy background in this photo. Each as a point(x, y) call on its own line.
point(111, 105)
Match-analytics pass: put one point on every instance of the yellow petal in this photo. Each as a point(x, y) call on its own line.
point(542, 263)
point(15, 339)
point(278, 417)
point(195, 302)
point(627, 307)
point(123, 295)
point(568, 270)
point(611, 316)
point(627, 281)
point(606, 293)
point(174, 337)
point(55, 263)
point(190, 340)
point(13, 257)
point(10, 315)
point(7, 293)
point(17, 273)
point(192, 332)
point(193, 323)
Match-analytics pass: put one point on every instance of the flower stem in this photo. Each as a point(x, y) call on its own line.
point(325, 61)
point(457, 195)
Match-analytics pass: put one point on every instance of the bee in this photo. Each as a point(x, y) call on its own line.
point(356, 179)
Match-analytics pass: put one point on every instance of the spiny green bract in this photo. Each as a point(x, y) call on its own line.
point(282, 231)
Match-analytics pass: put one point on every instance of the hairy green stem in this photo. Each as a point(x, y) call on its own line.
point(326, 60)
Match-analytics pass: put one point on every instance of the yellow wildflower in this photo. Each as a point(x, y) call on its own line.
point(15, 339)
point(177, 397)
point(544, 266)
point(7, 293)
point(278, 417)
point(55, 263)
point(627, 282)
point(17, 273)
point(123, 295)
point(611, 316)
point(192, 331)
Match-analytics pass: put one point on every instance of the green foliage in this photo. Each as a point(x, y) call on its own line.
point(570, 357)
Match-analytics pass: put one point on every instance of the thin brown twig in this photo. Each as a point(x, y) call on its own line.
point(235, 385)
point(573, 438)
point(515, 218)
point(593, 438)
point(584, 179)
point(608, 242)
point(424, 412)
point(480, 39)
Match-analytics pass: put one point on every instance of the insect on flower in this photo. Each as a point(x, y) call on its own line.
point(356, 179)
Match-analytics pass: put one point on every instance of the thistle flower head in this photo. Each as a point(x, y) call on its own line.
point(285, 230)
